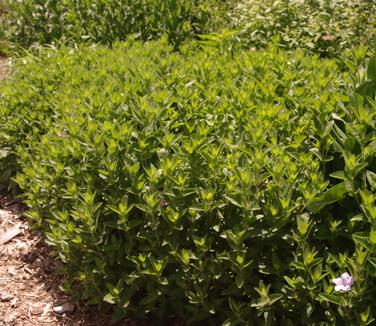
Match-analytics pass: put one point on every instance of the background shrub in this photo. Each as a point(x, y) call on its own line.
point(222, 187)
point(322, 26)
point(104, 21)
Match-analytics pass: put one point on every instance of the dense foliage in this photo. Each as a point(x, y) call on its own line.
point(322, 26)
point(104, 21)
point(218, 186)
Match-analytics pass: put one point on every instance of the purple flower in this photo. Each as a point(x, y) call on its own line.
point(343, 283)
point(63, 135)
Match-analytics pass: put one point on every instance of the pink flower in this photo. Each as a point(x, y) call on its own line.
point(343, 283)
point(164, 203)
point(328, 38)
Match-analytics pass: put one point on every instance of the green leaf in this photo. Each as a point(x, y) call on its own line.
point(334, 194)
point(109, 298)
point(368, 88)
point(330, 298)
point(372, 261)
point(275, 297)
point(338, 175)
point(371, 70)
point(362, 238)
point(149, 299)
point(232, 201)
point(372, 236)
point(234, 306)
point(358, 218)
point(371, 177)
point(303, 223)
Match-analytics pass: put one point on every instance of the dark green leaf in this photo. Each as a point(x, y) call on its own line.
point(334, 194)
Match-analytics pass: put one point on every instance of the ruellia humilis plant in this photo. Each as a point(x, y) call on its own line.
point(224, 187)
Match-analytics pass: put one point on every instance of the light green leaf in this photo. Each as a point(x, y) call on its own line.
point(338, 175)
point(109, 298)
point(372, 236)
point(371, 177)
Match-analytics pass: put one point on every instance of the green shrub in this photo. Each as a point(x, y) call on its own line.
point(221, 187)
point(322, 26)
point(104, 21)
